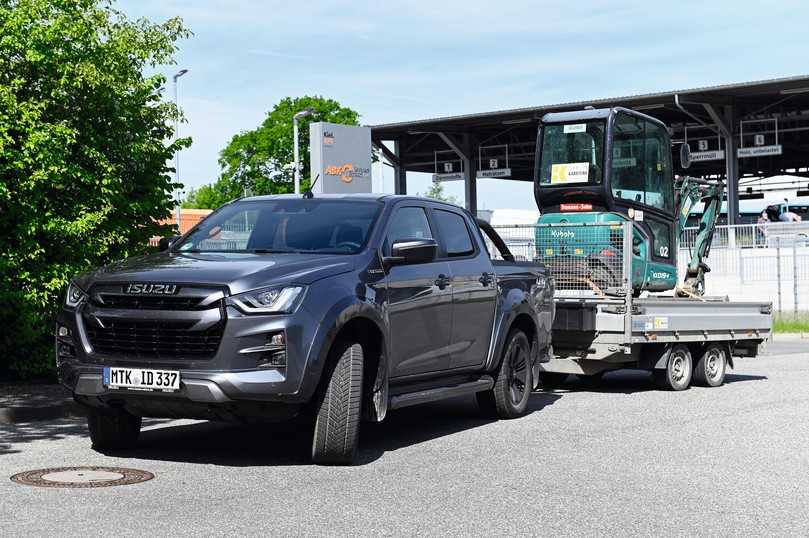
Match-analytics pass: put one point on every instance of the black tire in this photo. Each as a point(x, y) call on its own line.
point(678, 371)
point(339, 408)
point(512, 388)
point(710, 368)
point(549, 380)
point(112, 429)
point(591, 380)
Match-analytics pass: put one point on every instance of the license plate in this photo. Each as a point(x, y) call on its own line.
point(139, 379)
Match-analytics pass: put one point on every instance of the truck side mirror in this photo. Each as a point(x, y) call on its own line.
point(165, 242)
point(685, 156)
point(412, 251)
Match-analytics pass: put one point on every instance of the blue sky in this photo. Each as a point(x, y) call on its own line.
point(398, 61)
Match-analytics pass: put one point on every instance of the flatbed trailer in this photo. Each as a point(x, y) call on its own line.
point(600, 325)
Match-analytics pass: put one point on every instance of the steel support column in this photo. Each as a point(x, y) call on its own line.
point(731, 165)
point(471, 175)
point(399, 170)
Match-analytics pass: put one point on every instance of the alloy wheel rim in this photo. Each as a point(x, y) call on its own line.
point(518, 373)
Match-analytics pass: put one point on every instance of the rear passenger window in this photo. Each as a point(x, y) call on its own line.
point(454, 233)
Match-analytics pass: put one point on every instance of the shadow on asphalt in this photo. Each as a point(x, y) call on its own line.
point(14, 435)
point(289, 443)
point(628, 382)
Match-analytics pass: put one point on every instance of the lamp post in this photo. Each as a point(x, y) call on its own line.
point(179, 73)
point(302, 114)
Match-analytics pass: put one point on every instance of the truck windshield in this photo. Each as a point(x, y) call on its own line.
point(286, 225)
point(572, 153)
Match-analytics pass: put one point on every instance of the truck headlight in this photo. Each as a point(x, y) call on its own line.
point(74, 296)
point(283, 300)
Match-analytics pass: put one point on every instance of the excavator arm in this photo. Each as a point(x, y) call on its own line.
point(690, 191)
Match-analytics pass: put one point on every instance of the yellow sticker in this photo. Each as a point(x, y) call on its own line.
point(548, 252)
point(579, 251)
point(570, 173)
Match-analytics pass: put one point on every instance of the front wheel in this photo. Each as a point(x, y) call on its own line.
point(512, 388)
point(112, 429)
point(711, 366)
point(677, 373)
point(339, 408)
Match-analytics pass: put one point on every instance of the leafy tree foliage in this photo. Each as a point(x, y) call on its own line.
point(260, 160)
point(436, 192)
point(84, 155)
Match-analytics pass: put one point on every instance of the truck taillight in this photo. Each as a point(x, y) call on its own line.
point(608, 253)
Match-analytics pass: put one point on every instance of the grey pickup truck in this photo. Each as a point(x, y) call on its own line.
point(337, 308)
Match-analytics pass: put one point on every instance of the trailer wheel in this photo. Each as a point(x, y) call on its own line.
point(677, 373)
point(512, 388)
point(709, 371)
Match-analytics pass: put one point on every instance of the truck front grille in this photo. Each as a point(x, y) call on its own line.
point(158, 339)
point(146, 302)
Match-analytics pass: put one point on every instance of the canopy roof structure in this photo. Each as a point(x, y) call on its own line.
point(751, 129)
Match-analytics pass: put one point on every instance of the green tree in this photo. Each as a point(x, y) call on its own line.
point(261, 160)
point(436, 192)
point(84, 155)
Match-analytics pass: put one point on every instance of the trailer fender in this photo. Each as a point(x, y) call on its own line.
point(655, 357)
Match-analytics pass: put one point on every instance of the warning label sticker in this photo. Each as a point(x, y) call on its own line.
point(575, 128)
point(570, 173)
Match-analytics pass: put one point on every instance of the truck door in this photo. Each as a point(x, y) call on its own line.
point(474, 289)
point(419, 301)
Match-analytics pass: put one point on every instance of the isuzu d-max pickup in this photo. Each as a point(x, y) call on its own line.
point(339, 308)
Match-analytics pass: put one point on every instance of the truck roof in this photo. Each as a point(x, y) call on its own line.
point(369, 196)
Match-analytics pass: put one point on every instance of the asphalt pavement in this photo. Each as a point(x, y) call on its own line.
point(620, 459)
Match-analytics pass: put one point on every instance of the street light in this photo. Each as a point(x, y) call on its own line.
point(302, 114)
point(179, 73)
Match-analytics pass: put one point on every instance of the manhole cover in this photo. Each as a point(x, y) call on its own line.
point(82, 477)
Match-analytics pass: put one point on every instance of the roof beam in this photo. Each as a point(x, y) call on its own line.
point(454, 145)
point(718, 120)
point(389, 155)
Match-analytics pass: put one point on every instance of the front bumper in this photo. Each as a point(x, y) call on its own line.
point(230, 375)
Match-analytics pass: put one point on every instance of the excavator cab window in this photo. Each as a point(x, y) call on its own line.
point(572, 153)
point(641, 163)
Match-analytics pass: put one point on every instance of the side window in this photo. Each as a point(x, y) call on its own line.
point(454, 233)
point(661, 238)
point(409, 223)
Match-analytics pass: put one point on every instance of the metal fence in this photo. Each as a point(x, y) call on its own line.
point(584, 259)
point(758, 262)
point(747, 262)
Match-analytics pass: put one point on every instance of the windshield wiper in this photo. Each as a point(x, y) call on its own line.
point(269, 251)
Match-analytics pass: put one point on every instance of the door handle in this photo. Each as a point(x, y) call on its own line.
point(442, 281)
point(486, 279)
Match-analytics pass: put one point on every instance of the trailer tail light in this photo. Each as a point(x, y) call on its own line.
point(575, 207)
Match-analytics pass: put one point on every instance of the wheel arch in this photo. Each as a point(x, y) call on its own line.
point(359, 322)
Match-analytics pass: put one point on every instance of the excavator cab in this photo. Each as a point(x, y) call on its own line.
point(607, 166)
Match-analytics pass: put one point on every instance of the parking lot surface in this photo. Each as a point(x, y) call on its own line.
point(619, 459)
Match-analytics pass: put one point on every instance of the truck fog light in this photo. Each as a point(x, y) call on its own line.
point(63, 331)
point(278, 339)
point(66, 351)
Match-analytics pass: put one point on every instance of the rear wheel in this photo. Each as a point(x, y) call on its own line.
point(112, 428)
point(550, 380)
point(591, 380)
point(709, 371)
point(512, 388)
point(677, 373)
point(338, 408)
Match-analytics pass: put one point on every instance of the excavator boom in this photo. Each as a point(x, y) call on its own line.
point(690, 191)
